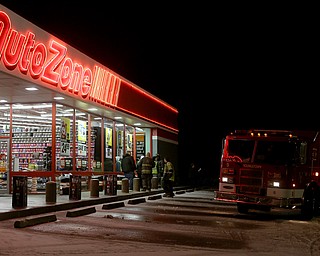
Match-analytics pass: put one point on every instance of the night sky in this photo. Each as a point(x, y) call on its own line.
point(224, 67)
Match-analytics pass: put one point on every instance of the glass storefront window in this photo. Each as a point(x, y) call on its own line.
point(64, 138)
point(129, 138)
point(4, 146)
point(119, 140)
point(96, 143)
point(4, 120)
point(140, 143)
point(81, 150)
point(84, 143)
point(109, 145)
point(31, 136)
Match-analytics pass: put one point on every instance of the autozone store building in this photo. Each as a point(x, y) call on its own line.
point(61, 112)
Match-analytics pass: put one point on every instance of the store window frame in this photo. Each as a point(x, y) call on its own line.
point(118, 144)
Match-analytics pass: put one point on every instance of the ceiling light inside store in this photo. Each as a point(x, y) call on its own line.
point(27, 124)
point(24, 125)
point(117, 117)
point(20, 106)
point(92, 109)
point(137, 124)
point(68, 114)
point(27, 116)
point(32, 89)
point(58, 98)
point(32, 122)
point(3, 101)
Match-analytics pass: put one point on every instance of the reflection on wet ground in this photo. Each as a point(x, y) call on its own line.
point(185, 221)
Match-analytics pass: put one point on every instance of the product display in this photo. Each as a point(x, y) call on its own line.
point(28, 146)
point(33, 153)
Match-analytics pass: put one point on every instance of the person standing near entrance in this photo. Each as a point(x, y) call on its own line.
point(138, 171)
point(168, 177)
point(147, 164)
point(128, 166)
point(193, 175)
point(158, 167)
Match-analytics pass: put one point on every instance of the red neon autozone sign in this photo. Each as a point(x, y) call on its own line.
point(51, 64)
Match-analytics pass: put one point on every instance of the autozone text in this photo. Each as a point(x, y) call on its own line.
point(52, 65)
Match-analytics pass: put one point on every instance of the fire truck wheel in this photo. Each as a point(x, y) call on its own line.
point(311, 201)
point(307, 212)
point(242, 208)
point(264, 208)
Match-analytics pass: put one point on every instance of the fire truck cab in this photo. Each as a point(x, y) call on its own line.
point(264, 169)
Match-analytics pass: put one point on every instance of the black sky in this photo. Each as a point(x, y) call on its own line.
point(224, 66)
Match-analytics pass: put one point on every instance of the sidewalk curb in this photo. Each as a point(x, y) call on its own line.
point(34, 221)
point(137, 200)
point(154, 197)
point(81, 212)
point(54, 207)
point(113, 205)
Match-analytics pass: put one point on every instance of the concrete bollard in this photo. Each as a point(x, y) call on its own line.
point(94, 188)
point(125, 185)
point(154, 182)
point(160, 181)
point(34, 185)
point(136, 184)
point(58, 186)
point(51, 192)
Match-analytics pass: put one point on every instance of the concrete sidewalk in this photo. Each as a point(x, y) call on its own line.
point(36, 202)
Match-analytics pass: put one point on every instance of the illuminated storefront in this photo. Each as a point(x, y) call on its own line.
point(62, 112)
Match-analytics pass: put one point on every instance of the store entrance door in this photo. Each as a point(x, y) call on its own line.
point(4, 166)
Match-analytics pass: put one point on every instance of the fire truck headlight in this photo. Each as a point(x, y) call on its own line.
point(227, 180)
point(276, 184)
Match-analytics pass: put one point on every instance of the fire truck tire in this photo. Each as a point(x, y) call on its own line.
point(264, 208)
point(242, 208)
point(311, 201)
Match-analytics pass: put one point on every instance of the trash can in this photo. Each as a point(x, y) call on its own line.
point(51, 192)
point(20, 191)
point(94, 188)
point(136, 184)
point(125, 185)
point(110, 187)
point(154, 182)
point(75, 188)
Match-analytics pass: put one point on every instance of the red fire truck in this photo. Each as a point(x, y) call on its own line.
point(265, 169)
